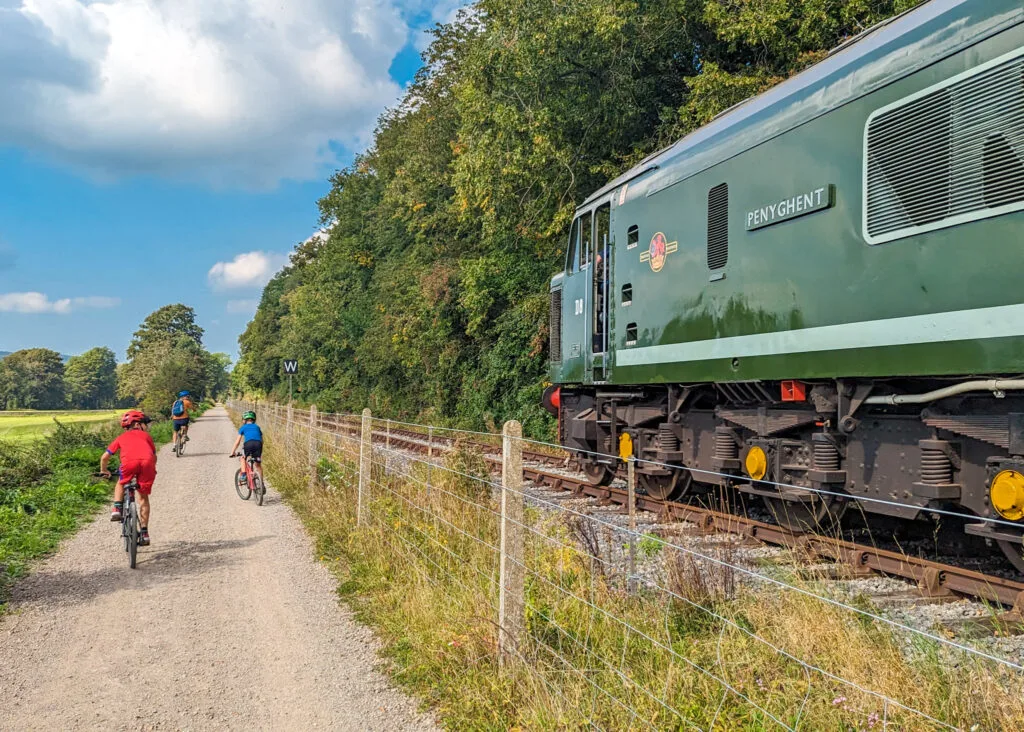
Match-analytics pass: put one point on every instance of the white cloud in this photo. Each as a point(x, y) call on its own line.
point(232, 91)
point(252, 269)
point(37, 302)
point(247, 307)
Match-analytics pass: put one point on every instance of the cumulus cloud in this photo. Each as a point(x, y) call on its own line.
point(248, 91)
point(242, 306)
point(252, 269)
point(37, 302)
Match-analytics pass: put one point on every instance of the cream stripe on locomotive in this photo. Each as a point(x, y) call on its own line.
point(959, 325)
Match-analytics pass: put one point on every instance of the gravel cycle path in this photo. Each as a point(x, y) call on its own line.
point(228, 622)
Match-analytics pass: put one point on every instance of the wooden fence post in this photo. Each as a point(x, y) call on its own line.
point(631, 508)
point(365, 465)
point(511, 593)
point(313, 437)
point(430, 463)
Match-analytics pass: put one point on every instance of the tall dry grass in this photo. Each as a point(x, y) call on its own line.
point(706, 651)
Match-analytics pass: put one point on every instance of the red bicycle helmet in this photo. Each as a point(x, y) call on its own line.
point(133, 416)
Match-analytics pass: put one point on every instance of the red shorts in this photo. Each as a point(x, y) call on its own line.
point(143, 471)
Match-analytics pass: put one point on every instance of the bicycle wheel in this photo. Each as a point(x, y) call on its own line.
point(133, 534)
point(124, 527)
point(242, 485)
point(259, 488)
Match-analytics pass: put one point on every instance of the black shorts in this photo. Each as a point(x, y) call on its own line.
point(253, 449)
point(179, 423)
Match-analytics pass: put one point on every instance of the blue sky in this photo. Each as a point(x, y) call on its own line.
point(155, 152)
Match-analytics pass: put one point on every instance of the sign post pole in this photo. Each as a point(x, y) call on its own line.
point(291, 367)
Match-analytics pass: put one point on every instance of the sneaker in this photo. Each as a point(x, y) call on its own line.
point(187, 438)
point(115, 514)
point(144, 538)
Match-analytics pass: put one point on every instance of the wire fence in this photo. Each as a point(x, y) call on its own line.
point(618, 627)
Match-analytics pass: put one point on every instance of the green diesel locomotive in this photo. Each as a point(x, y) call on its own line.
point(818, 297)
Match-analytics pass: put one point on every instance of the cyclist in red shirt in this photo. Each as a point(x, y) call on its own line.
point(138, 460)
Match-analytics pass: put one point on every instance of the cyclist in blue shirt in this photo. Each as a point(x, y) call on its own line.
point(252, 446)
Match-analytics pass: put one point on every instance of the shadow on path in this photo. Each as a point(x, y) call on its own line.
point(156, 564)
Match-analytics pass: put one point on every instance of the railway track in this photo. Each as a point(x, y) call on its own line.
point(933, 579)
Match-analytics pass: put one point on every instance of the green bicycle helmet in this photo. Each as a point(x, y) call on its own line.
point(249, 415)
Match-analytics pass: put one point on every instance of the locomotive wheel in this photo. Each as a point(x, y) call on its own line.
point(1014, 552)
point(597, 473)
point(666, 487)
point(821, 515)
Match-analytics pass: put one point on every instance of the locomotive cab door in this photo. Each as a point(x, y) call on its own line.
point(599, 294)
point(575, 302)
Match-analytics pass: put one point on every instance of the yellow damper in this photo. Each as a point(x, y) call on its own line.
point(1007, 494)
point(756, 463)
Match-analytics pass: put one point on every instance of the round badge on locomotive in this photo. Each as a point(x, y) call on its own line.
point(658, 251)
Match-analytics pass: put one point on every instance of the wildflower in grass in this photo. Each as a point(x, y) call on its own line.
point(873, 719)
point(838, 700)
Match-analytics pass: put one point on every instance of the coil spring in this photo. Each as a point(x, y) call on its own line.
point(935, 466)
point(725, 445)
point(826, 456)
point(667, 440)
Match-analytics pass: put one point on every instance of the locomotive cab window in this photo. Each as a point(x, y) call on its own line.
point(633, 237)
point(574, 238)
point(631, 334)
point(627, 294)
point(586, 238)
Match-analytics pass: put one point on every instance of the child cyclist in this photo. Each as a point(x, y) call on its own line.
point(138, 460)
point(252, 446)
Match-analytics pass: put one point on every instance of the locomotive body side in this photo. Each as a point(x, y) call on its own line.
point(783, 281)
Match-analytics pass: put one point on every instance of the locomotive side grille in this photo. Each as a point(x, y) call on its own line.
point(718, 226)
point(555, 327)
point(948, 155)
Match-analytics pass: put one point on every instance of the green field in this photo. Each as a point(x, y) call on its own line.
point(21, 426)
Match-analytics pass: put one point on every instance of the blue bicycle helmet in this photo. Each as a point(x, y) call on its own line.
point(183, 393)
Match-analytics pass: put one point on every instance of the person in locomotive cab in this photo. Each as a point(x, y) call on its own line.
point(600, 262)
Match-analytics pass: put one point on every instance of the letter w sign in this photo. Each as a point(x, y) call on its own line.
point(291, 366)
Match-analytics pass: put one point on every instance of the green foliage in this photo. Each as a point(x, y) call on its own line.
point(426, 296)
point(32, 379)
point(166, 356)
point(90, 379)
point(171, 324)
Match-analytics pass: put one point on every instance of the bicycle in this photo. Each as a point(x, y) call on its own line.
point(250, 483)
point(179, 442)
point(130, 527)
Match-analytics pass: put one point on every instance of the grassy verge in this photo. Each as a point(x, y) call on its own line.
point(47, 490)
point(422, 572)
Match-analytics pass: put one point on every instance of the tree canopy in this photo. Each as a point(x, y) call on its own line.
point(32, 379)
point(90, 379)
point(428, 294)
